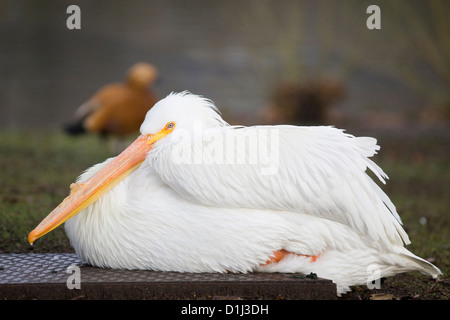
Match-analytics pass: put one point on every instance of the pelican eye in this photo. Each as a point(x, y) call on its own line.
point(170, 125)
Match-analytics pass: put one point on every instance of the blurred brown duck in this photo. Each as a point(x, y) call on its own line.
point(118, 109)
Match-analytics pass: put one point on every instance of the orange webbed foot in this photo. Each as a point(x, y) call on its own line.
point(281, 254)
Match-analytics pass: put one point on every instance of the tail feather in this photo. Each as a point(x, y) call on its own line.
point(75, 127)
point(355, 267)
point(421, 265)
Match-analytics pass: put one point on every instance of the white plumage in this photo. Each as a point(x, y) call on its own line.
point(210, 197)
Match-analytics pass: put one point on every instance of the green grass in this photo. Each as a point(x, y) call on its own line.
point(419, 186)
point(36, 171)
point(38, 167)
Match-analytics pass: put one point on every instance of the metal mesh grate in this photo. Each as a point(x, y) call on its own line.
point(45, 276)
point(52, 268)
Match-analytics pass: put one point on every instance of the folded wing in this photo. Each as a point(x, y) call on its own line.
point(320, 171)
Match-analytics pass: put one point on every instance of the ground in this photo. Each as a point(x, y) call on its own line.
point(38, 167)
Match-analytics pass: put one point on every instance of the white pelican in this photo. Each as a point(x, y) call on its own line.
point(194, 194)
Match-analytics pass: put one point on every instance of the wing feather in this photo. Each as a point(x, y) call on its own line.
point(315, 170)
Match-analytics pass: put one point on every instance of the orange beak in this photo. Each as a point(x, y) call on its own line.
point(84, 194)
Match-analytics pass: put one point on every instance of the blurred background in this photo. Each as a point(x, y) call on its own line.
point(261, 61)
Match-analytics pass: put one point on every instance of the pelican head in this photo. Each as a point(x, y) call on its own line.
point(183, 111)
point(178, 112)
